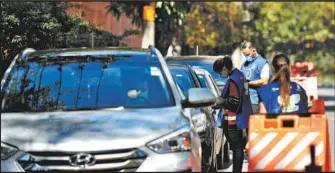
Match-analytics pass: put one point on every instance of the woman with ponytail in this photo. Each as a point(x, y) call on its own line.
point(281, 95)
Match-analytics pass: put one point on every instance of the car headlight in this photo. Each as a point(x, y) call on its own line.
point(199, 121)
point(177, 141)
point(7, 151)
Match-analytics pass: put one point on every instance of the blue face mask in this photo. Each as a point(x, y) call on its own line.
point(248, 58)
point(224, 75)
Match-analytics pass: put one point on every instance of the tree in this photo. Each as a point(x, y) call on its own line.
point(297, 23)
point(305, 31)
point(168, 22)
point(44, 25)
point(215, 27)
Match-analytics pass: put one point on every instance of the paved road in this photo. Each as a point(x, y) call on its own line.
point(329, 95)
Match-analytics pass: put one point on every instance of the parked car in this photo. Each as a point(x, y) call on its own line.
point(201, 61)
point(99, 110)
point(222, 147)
point(204, 118)
point(207, 81)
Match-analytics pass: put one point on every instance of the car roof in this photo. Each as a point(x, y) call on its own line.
point(89, 51)
point(180, 65)
point(192, 57)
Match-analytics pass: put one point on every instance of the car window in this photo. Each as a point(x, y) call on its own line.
point(203, 80)
point(207, 65)
point(216, 87)
point(86, 85)
point(183, 78)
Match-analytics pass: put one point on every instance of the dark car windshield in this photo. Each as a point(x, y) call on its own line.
point(183, 78)
point(74, 85)
point(207, 65)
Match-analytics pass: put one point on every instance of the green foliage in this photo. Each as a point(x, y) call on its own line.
point(169, 19)
point(304, 30)
point(46, 25)
point(132, 9)
point(169, 22)
point(295, 23)
point(215, 27)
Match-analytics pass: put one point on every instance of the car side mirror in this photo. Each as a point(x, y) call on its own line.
point(199, 97)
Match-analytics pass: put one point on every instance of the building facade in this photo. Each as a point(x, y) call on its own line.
point(97, 14)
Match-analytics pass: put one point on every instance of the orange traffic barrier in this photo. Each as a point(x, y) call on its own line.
point(283, 143)
point(318, 106)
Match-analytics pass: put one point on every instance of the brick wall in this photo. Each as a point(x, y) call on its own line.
point(96, 13)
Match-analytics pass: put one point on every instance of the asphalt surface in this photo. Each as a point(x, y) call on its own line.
point(328, 94)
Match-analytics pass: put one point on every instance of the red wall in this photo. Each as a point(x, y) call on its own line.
point(96, 13)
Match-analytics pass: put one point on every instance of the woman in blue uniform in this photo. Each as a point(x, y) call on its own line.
point(235, 104)
point(281, 95)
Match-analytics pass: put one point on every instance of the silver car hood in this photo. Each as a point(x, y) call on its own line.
point(87, 130)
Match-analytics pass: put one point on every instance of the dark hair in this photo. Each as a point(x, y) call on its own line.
point(247, 44)
point(223, 62)
point(283, 75)
point(276, 59)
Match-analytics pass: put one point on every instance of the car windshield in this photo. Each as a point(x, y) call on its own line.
point(203, 80)
point(183, 78)
point(207, 65)
point(74, 85)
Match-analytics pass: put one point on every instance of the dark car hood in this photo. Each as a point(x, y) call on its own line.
point(87, 130)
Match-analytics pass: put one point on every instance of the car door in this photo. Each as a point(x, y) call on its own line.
point(209, 135)
point(186, 78)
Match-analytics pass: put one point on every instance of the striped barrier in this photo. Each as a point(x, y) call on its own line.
point(283, 143)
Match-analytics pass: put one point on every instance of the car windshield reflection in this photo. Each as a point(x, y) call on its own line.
point(74, 85)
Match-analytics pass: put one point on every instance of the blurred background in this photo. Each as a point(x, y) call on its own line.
point(303, 30)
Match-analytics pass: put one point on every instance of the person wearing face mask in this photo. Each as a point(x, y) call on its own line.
point(282, 95)
point(235, 105)
point(256, 70)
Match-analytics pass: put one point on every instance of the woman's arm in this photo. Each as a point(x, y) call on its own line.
point(262, 109)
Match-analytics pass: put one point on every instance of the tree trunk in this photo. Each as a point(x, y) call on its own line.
point(148, 34)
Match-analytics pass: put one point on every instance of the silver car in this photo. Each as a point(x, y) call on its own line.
point(99, 110)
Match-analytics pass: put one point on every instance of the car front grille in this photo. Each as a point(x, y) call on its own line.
point(127, 160)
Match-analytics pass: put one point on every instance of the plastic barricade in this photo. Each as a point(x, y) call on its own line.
point(318, 106)
point(282, 143)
